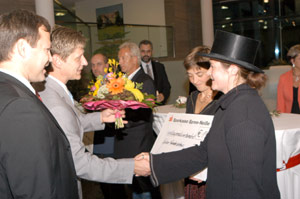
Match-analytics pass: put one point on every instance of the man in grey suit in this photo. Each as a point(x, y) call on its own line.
point(35, 157)
point(67, 63)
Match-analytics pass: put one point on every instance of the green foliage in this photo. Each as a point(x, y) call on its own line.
point(110, 39)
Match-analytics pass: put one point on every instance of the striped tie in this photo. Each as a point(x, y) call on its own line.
point(149, 71)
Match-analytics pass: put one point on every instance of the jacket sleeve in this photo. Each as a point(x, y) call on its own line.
point(148, 87)
point(280, 96)
point(166, 84)
point(87, 165)
point(172, 166)
point(91, 121)
point(26, 150)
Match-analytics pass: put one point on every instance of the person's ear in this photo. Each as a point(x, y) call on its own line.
point(56, 61)
point(293, 61)
point(22, 48)
point(233, 69)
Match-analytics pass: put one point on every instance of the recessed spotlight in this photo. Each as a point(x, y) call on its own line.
point(60, 14)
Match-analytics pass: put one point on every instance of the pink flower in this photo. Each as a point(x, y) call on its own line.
point(93, 88)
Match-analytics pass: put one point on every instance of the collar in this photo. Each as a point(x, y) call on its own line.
point(22, 79)
point(225, 100)
point(144, 64)
point(63, 86)
point(133, 74)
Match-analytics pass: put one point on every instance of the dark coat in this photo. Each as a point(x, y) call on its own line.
point(239, 150)
point(35, 156)
point(137, 136)
point(161, 80)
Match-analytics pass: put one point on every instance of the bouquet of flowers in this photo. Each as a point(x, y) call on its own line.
point(115, 91)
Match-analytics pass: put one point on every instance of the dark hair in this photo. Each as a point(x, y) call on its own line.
point(19, 24)
point(253, 79)
point(64, 40)
point(193, 59)
point(146, 42)
point(105, 59)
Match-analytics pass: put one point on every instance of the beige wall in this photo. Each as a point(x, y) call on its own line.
point(178, 79)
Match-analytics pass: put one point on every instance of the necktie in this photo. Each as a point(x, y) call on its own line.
point(38, 96)
point(149, 71)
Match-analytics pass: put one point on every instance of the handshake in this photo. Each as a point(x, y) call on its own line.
point(142, 164)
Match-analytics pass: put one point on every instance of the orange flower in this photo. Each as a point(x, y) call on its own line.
point(116, 86)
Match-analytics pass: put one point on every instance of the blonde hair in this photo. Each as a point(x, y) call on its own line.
point(65, 40)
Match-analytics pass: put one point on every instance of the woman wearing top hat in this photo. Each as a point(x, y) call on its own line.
point(240, 148)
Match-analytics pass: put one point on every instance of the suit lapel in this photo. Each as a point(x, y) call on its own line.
point(135, 77)
point(51, 84)
point(23, 90)
point(20, 87)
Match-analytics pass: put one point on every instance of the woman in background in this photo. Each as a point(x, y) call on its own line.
point(288, 94)
point(199, 101)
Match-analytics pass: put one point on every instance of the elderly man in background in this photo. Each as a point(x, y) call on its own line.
point(99, 63)
point(104, 139)
point(137, 135)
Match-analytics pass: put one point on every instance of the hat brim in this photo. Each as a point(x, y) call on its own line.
point(246, 65)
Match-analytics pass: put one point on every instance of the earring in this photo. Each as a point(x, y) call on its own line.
point(293, 65)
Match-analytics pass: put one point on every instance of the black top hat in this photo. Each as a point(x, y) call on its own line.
point(234, 49)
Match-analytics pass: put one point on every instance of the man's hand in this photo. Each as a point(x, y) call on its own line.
point(109, 115)
point(142, 165)
point(159, 97)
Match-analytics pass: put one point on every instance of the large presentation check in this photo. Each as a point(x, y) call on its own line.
point(181, 130)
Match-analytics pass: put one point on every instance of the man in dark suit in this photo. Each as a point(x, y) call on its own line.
point(36, 161)
point(156, 71)
point(137, 136)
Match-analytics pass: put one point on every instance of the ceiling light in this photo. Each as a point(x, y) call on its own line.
point(224, 7)
point(60, 14)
